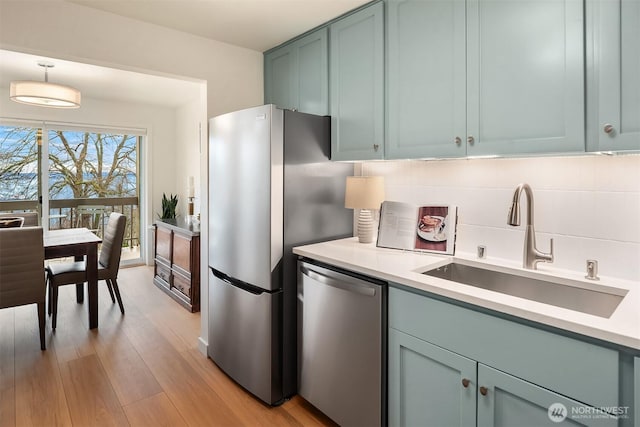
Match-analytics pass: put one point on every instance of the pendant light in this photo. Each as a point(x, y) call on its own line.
point(44, 94)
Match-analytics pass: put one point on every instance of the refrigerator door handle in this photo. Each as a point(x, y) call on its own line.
point(349, 286)
point(237, 283)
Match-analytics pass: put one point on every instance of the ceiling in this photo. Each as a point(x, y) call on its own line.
point(99, 82)
point(254, 24)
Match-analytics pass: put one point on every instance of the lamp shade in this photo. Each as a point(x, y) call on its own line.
point(44, 94)
point(364, 192)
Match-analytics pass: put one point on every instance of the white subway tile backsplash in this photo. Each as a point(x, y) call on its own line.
point(590, 205)
point(617, 173)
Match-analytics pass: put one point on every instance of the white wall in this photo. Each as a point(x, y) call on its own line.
point(69, 31)
point(78, 33)
point(589, 205)
point(188, 144)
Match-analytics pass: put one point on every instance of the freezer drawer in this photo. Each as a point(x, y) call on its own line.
point(245, 339)
point(341, 362)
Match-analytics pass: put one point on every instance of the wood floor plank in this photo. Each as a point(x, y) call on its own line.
point(90, 397)
point(129, 375)
point(7, 349)
point(246, 407)
point(8, 407)
point(198, 403)
point(40, 396)
point(178, 326)
point(27, 333)
point(7, 369)
point(307, 414)
point(154, 411)
point(140, 368)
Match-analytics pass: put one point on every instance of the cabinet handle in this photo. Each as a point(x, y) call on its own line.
point(465, 382)
point(484, 391)
point(457, 140)
point(470, 139)
point(375, 147)
point(608, 129)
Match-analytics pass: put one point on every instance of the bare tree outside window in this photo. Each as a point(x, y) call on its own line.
point(82, 165)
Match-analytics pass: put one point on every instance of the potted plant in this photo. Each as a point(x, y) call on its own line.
point(169, 206)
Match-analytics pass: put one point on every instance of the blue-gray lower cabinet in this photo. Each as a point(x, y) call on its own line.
point(506, 401)
point(428, 385)
point(451, 365)
point(636, 391)
point(431, 386)
point(356, 85)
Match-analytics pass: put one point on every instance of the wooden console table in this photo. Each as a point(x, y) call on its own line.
point(177, 261)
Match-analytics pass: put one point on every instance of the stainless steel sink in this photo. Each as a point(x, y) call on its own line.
point(566, 295)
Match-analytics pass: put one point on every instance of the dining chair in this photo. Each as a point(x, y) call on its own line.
point(22, 279)
point(29, 219)
point(70, 273)
point(11, 222)
point(96, 217)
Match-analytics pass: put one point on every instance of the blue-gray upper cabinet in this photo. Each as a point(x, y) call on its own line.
point(426, 79)
point(484, 77)
point(356, 85)
point(278, 77)
point(525, 77)
point(614, 29)
point(297, 74)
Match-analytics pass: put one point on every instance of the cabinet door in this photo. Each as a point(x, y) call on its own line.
point(509, 401)
point(312, 71)
point(616, 34)
point(356, 82)
point(182, 254)
point(525, 76)
point(279, 78)
point(426, 384)
point(636, 391)
point(426, 79)
point(163, 244)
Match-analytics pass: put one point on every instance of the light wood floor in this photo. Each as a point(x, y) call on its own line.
point(140, 369)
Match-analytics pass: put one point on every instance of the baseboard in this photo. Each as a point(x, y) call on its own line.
point(202, 346)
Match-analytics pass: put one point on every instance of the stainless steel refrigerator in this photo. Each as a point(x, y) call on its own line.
point(271, 187)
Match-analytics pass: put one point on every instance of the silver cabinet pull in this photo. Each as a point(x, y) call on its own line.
point(375, 147)
point(340, 284)
point(457, 140)
point(608, 128)
point(470, 139)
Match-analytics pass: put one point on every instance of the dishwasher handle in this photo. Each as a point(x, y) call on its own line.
point(354, 287)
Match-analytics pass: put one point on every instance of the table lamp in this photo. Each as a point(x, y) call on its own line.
point(365, 193)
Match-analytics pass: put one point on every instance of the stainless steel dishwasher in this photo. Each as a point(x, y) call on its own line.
point(342, 344)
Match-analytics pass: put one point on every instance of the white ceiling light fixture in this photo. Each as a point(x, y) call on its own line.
point(44, 94)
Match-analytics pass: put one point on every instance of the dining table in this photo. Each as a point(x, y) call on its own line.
point(78, 243)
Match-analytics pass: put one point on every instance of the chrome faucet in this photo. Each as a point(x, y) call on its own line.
point(531, 255)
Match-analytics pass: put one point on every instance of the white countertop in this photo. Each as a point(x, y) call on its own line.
point(406, 268)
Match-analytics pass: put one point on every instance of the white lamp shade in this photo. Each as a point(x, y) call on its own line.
point(44, 94)
point(364, 192)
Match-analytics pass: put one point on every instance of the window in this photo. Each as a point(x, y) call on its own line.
point(87, 168)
